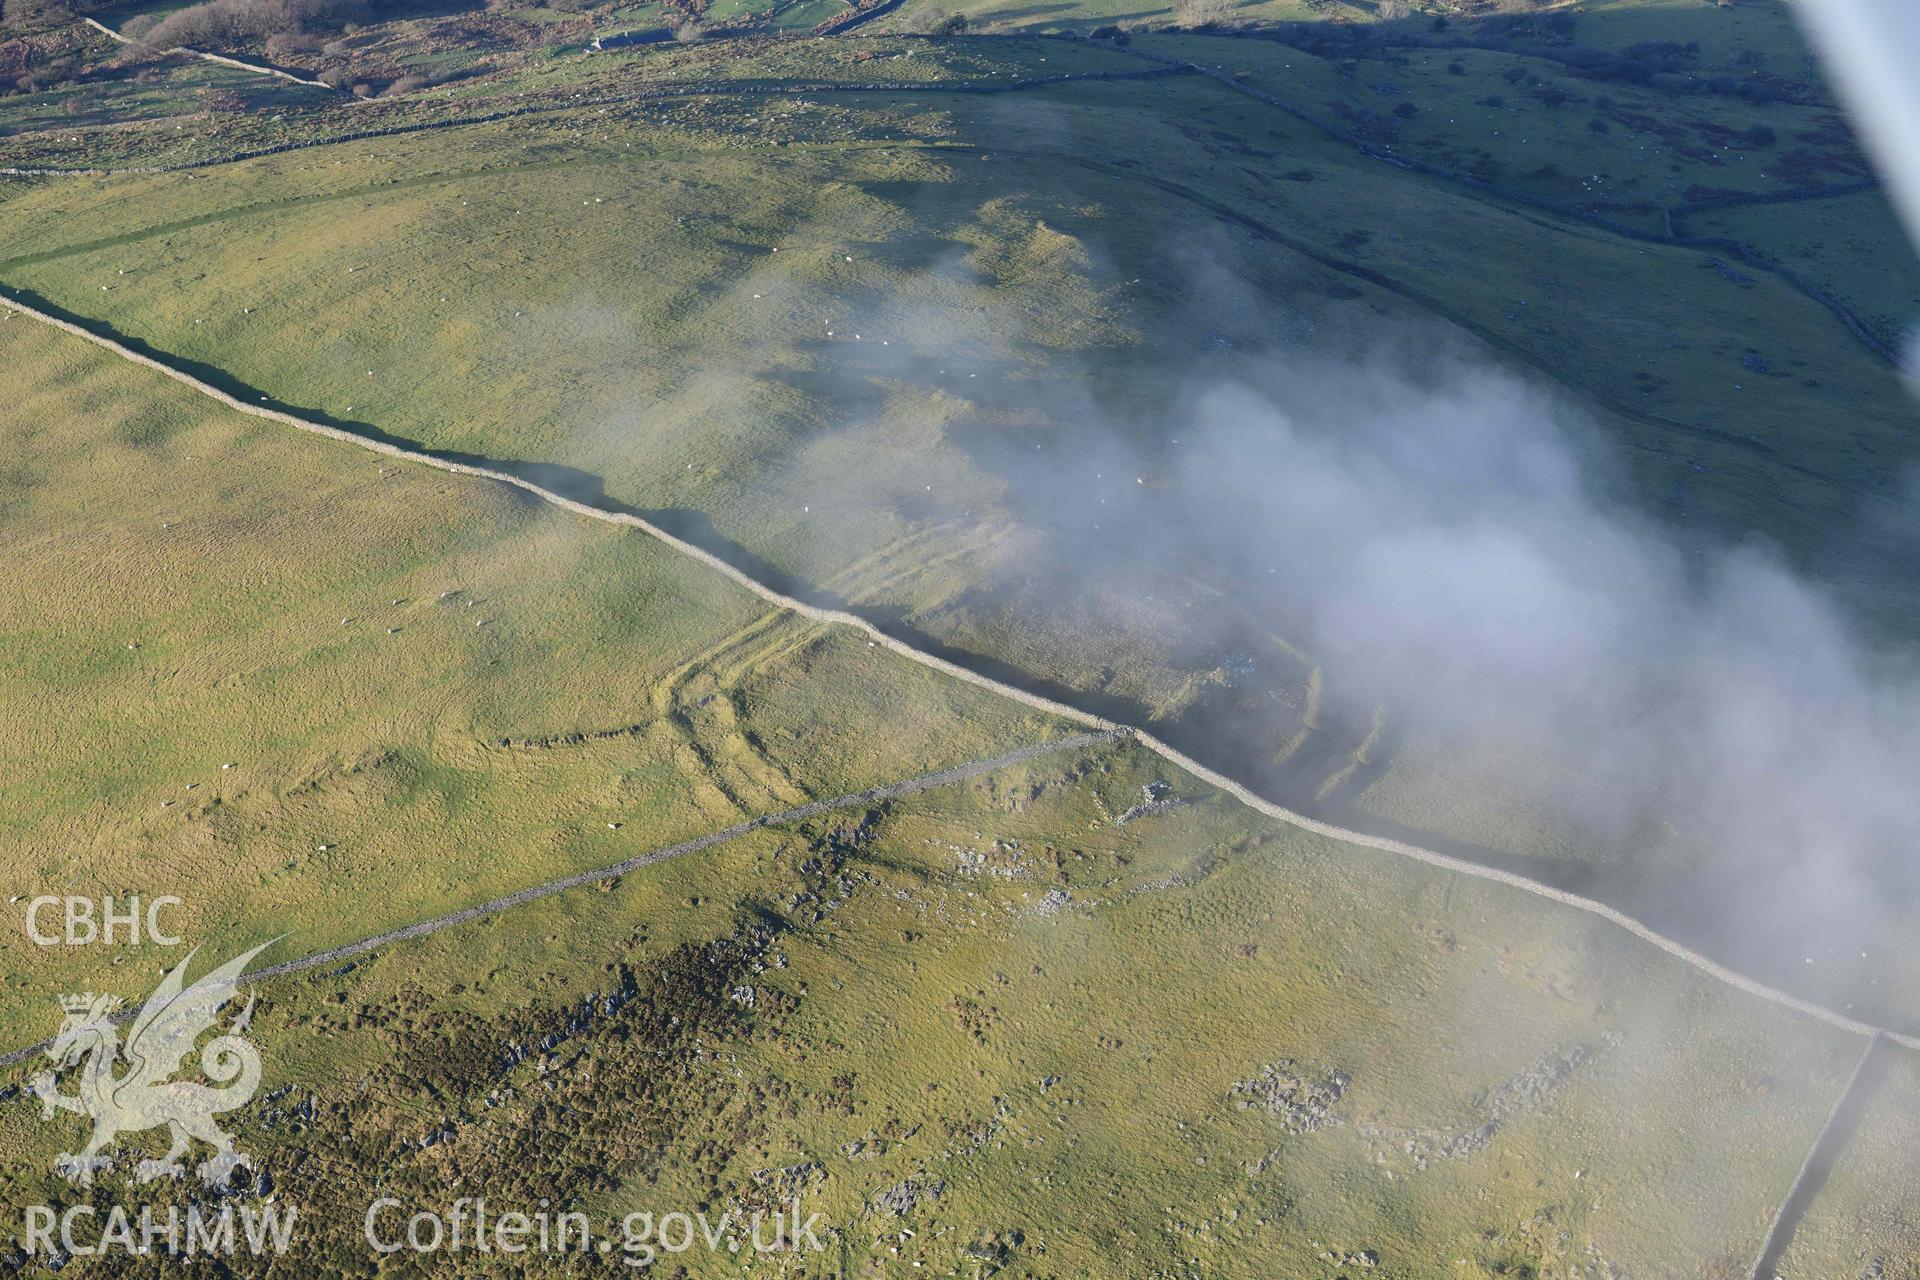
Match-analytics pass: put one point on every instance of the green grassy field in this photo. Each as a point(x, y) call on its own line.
point(1529, 123)
point(864, 341)
point(946, 990)
point(880, 59)
point(183, 88)
point(1853, 246)
point(1863, 1221)
point(947, 998)
point(313, 695)
point(1532, 125)
point(930, 353)
point(1762, 33)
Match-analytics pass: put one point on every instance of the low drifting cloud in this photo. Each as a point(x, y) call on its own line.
point(1458, 546)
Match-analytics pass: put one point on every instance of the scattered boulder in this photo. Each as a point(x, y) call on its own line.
point(1304, 1098)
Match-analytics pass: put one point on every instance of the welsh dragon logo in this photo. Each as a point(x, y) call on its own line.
point(142, 1096)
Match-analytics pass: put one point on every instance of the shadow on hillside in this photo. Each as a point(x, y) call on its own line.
point(1221, 736)
point(1874, 1068)
point(1206, 735)
point(1215, 733)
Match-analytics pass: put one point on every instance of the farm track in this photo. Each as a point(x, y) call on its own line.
point(746, 766)
point(238, 64)
point(1101, 726)
point(799, 813)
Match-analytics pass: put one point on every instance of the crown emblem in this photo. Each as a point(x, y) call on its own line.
point(88, 1002)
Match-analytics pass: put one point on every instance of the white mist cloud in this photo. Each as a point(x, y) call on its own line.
point(1452, 540)
point(1694, 729)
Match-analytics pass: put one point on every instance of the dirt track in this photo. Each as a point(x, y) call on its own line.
point(236, 63)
